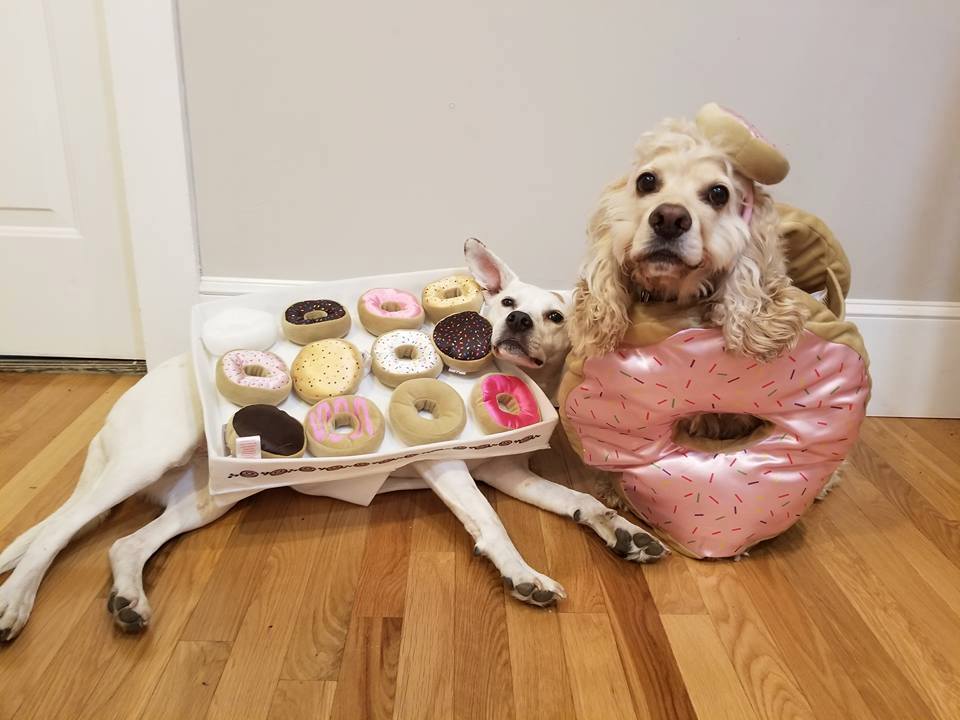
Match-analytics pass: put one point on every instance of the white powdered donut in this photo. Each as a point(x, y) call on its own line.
point(239, 328)
point(401, 355)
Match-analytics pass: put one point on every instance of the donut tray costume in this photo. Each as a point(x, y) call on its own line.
point(717, 498)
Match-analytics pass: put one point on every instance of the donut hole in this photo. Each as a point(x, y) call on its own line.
point(721, 432)
point(407, 352)
point(315, 315)
point(391, 306)
point(344, 424)
point(426, 408)
point(451, 293)
point(508, 403)
point(255, 371)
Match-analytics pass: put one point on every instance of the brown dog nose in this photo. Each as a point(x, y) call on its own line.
point(670, 221)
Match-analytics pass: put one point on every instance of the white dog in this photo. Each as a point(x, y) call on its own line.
point(150, 443)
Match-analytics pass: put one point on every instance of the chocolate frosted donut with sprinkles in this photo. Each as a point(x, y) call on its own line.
point(307, 321)
point(464, 341)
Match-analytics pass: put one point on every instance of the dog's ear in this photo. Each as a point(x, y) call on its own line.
point(755, 305)
point(601, 298)
point(491, 272)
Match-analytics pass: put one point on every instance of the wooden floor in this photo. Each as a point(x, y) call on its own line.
point(299, 607)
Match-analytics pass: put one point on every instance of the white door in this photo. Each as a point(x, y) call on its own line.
point(66, 282)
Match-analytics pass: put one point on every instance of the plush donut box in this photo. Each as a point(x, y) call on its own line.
point(355, 478)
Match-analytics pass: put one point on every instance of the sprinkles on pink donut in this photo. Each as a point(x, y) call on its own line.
point(503, 402)
point(249, 377)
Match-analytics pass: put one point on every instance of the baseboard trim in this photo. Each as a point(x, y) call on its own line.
point(23, 364)
point(914, 347)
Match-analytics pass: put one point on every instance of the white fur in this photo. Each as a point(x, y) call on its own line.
point(151, 443)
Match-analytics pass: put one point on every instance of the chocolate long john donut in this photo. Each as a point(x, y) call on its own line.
point(279, 433)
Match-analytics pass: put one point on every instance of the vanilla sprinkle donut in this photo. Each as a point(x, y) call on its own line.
point(503, 402)
point(281, 436)
point(253, 377)
point(449, 295)
point(327, 419)
point(385, 309)
point(326, 368)
point(310, 320)
point(444, 405)
point(463, 340)
point(402, 355)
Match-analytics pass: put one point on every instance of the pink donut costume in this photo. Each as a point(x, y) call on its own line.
point(714, 498)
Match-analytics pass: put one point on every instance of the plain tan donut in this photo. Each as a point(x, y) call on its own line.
point(439, 399)
point(750, 152)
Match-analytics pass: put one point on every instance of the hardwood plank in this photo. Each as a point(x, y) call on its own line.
point(673, 588)
point(16, 389)
point(189, 679)
point(593, 664)
point(384, 567)
point(435, 528)
point(424, 680)
point(368, 674)
point(712, 682)
point(943, 434)
point(299, 699)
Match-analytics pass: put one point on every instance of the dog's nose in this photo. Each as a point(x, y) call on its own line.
point(519, 321)
point(670, 221)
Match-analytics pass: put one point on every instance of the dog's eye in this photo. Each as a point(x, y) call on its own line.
point(718, 196)
point(646, 183)
point(555, 317)
point(507, 302)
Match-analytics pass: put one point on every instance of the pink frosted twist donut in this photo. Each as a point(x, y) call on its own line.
point(503, 402)
point(718, 502)
point(385, 309)
point(252, 377)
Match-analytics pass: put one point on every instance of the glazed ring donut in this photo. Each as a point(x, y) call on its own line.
point(402, 355)
point(252, 377)
point(281, 436)
point(751, 153)
point(326, 368)
point(449, 295)
point(463, 340)
point(310, 320)
point(435, 397)
point(384, 309)
point(326, 420)
point(503, 402)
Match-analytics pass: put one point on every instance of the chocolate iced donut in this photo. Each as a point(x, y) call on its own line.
point(281, 436)
point(463, 341)
point(307, 321)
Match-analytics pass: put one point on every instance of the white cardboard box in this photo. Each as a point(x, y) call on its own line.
point(355, 478)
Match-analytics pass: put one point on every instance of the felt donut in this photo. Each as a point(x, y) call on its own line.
point(310, 320)
point(281, 436)
point(402, 355)
point(326, 368)
point(239, 328)
point(251, 377)
point(751, 153)
point(344, 425)
point(384, 309)
point(463, 340)
point(503, 402)
point(449, 295)
point(444, 405)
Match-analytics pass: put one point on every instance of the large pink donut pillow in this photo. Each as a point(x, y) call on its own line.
point(718, 501)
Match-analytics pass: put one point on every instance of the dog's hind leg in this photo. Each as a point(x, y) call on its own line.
point(511, 475)
point(453, 484)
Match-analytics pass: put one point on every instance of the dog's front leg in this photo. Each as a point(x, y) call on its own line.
point(512, 476)
point(453, 484)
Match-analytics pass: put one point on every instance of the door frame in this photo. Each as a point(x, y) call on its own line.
point(143, 44)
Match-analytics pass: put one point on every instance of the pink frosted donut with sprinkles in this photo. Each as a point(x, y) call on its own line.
point(344, 425)
point(253, 377)
point(384, 309)
point(624, 412)
point(503, 402)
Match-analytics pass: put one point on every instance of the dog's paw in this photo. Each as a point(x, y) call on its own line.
point(130, 609)
point(627, 540)
point(15, 607)
point(531, 587)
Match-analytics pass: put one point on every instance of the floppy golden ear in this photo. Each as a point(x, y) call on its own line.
point(601, 298)
point(755, 305)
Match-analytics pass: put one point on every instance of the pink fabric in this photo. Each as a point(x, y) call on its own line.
point(719, 504)
point(496, 384)
point(374, 299)
point(324, 411)
point(236, 360)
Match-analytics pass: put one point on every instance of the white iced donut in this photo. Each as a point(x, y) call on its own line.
point(253, 377)
point(401, 355)
point(239, 328)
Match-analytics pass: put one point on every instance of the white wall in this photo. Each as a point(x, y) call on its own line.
point(334, 139)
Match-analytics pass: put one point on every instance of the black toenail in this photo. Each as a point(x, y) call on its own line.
point(576, 515)
point(476, 550)
point(544, 596)
point(5, 635)
point(507, 583)
point(110, 601)
point(524, 588)
point(623, 542)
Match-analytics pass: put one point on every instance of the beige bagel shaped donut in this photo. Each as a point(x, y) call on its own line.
point(751, 154)
point(326, 421)
point(401, 355)
point(281, 436)
point(308, 321)
point(326, 368)
point(252, 377)
point(437, 398)
point(449, 295)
